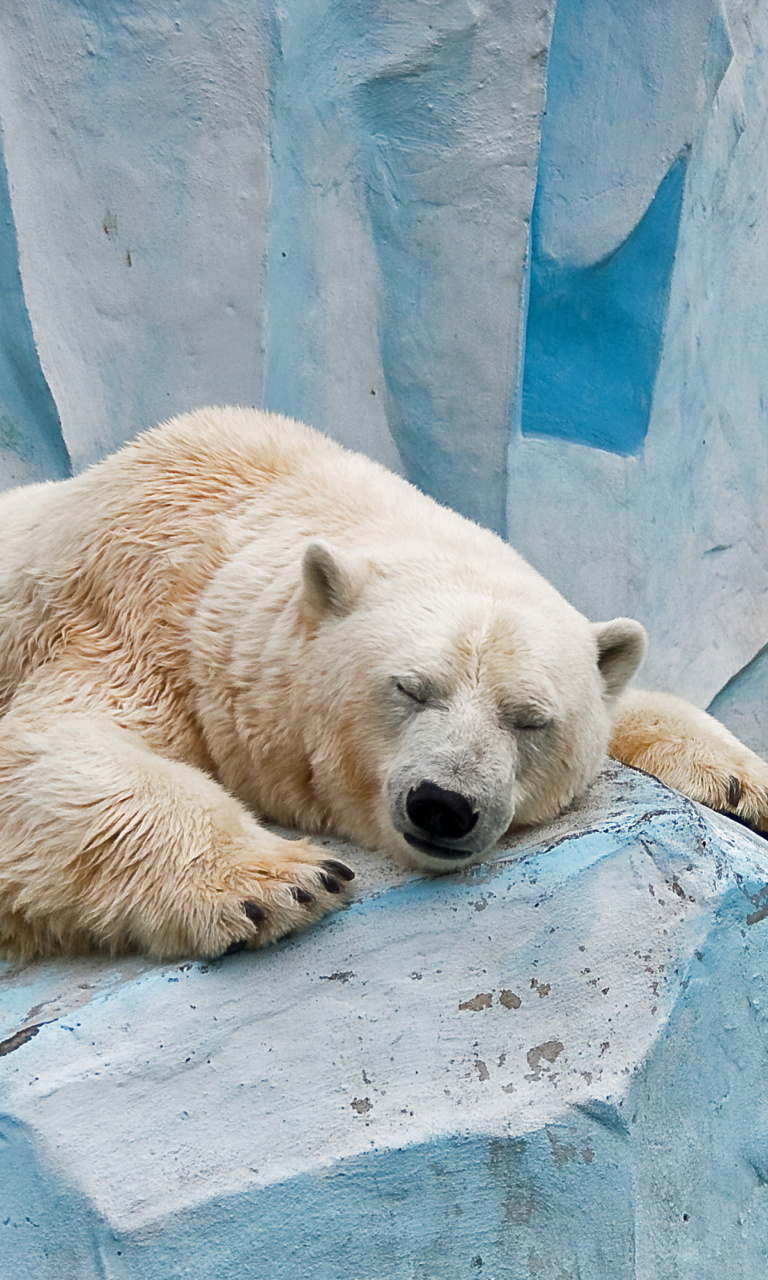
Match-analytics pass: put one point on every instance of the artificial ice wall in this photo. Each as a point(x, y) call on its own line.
point(518, 252)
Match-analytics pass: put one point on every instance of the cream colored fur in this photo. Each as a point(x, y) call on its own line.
point(233, 617)
point(691, 751)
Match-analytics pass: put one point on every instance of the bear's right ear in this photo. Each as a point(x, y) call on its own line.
point(332, 580)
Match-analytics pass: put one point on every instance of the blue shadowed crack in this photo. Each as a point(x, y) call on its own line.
point(742, 703)
point(595, 333)
point(31, 441)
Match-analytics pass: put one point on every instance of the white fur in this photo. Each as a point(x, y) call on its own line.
point(234, 616)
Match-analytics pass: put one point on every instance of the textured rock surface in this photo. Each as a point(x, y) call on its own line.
point(552, 1066)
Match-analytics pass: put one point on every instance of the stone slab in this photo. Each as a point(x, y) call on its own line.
point(547, 1066)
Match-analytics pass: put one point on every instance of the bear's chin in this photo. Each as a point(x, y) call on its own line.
point(437, 859)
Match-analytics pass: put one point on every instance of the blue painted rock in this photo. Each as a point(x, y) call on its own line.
point(548, 1066)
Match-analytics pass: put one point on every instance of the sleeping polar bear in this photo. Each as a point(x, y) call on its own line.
point(234, 616)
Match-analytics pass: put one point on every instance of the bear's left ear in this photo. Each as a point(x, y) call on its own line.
point(333, 579)
point(621, 646)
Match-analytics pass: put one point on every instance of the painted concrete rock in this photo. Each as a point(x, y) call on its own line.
point(552, 1066)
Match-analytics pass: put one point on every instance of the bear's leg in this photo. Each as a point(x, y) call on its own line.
point(106, 844)
point(692, 752)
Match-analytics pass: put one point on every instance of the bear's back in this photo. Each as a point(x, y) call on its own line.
point(123, 551)
point(125, 548)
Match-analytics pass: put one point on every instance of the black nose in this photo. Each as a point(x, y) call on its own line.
point(443, 815)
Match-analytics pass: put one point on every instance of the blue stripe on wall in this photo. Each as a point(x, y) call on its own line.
point(595, 332)
point(30, 431)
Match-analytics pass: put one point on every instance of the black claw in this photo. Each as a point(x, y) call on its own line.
point(339, 869)
point(302, 895)
point(234, 947)
point(331, 885)
point(735, 790)
point(254, 912)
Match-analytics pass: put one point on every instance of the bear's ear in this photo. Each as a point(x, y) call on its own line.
point(621, 646)
point(332, 580)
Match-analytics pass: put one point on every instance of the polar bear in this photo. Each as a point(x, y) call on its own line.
point(234, 618)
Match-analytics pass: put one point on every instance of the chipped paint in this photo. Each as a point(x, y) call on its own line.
point(11, 1043)
point(482, 1000)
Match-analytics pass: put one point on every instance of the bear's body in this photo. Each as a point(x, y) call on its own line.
point(234, 616)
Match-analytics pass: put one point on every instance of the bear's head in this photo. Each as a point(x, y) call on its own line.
point(452, 696)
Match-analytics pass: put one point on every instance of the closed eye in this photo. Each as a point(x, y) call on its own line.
point(526, 719)
point(410, 691)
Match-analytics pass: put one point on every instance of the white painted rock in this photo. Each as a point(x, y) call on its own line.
point(544, 1067)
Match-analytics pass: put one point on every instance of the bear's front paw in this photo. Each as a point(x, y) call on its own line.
point(261, 903)
point(694, 753)
point(735, 784)
point(742, 794)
